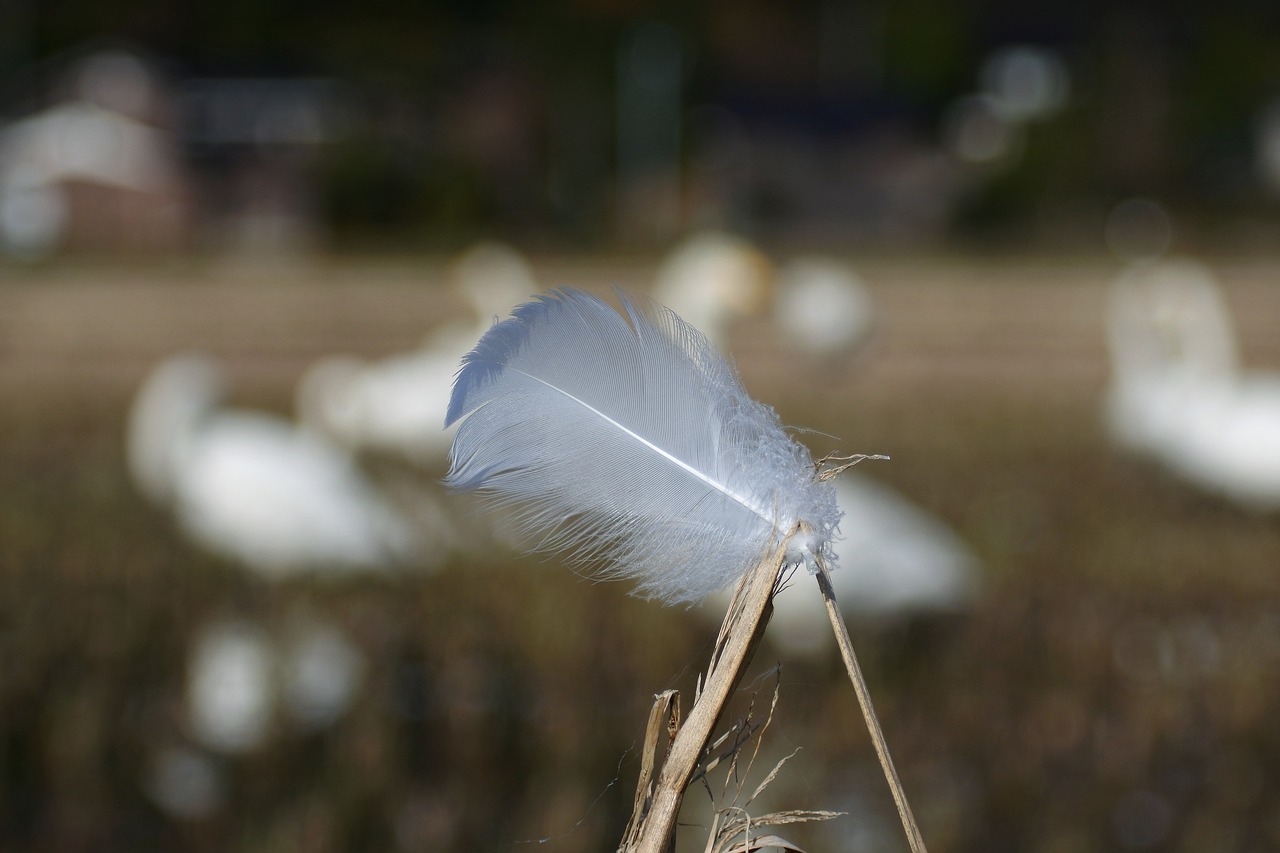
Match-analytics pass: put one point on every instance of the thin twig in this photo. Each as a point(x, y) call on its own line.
point(868, 711)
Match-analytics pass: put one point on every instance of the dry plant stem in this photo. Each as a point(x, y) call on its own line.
point(868, 712)
point(665, 715)
point(741, 630)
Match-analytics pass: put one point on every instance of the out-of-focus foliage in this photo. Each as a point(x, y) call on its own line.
point(474, 118)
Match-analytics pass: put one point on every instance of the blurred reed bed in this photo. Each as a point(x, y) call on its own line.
point(1113, 686)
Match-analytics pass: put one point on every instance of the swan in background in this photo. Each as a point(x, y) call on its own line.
point(397, 405)
point(822, 306)
point(252, 486)
point(713, 279)
point(1177, 393)
point(1169, 339)
point(244, 683)
point(230, 687)
point(394, 406)
point(320, 670)
point(494, 277)
point(243, 680)
point(892, 559)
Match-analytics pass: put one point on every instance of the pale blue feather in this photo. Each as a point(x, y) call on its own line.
point(629, 439)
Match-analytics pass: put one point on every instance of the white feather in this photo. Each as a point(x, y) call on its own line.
point(632, 440)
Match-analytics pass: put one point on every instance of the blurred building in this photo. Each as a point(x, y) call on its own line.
point(121, 158)
point(252, 144)
point(99, 167)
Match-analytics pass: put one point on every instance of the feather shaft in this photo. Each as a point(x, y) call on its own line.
point(674, 460)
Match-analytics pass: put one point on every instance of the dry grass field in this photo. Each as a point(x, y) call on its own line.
point(1115, 686)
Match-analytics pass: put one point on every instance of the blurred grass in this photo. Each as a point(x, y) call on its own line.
point(1114, 688)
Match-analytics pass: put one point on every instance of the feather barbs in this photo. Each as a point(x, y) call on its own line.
point(629, 438)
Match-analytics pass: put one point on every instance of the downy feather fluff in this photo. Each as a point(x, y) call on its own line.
point(630, 439)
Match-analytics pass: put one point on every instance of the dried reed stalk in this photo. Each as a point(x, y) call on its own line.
point(654, 829)
point(908, 819)
point(657, 804)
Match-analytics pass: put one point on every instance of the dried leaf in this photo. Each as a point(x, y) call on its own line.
point(772, 775)
point(763, 842)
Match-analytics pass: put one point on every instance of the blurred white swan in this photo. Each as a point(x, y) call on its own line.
point(713, 279)
point(893, 559)
point(822, 306)
point(1177, 393)
point(397, 405)
point(320, 670)
point(1160, 362)
point(230, 687)
point(240, 678)
point(252, 486)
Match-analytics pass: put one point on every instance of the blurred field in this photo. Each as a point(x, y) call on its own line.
point(1114, 688)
